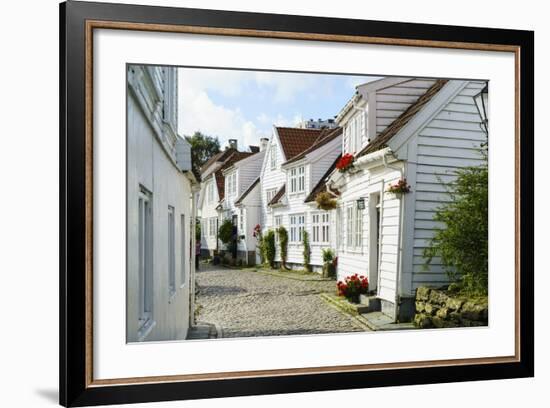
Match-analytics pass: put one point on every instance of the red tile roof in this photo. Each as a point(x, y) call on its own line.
point(218, 157)
point(325, 136)
point(385, 136)
point(295, 140)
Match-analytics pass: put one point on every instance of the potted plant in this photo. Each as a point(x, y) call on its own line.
point(400, 187)
point(329, 265)
point(352, 287)
point(345, 163)
point(325, 201)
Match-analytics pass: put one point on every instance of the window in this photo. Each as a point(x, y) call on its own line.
point(231, 184)
point(182, 249)
point(349, 226)
point(171, 252)
point(269, 194)
point(354, 133)
point(340, 237)
point(320, 227)
point(358, 227)
point(145, 268)
point(212, 226)
point(297, 224)
point(210, 193)
point(297, 180)
point(273, 157)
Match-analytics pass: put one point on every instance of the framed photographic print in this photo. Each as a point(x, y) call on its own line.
point(256, 204)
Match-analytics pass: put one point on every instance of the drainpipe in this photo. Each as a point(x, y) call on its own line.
point(192, 270)
point(399, 240)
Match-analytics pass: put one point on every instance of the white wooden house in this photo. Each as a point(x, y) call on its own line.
point(295, 161)
point(160, 259)
point(241, 201)
point(420, 130)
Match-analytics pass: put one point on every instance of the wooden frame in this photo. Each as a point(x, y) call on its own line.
point(77, 22)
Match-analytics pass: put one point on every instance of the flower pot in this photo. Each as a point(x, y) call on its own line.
point(354, 298)
point(329, 270)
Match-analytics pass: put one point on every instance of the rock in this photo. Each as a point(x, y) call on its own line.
point(431, 309)
point(454, 303)
point(423, 293)
point(420, 307)
point(443, 313)
point(438, 322)
point(437, 296)
point(422, 321)
point(472, 311)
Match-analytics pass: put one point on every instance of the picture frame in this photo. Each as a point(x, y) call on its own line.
point(78, 20)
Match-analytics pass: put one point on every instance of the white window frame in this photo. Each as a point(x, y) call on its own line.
point(241, 221)
point(297, 227)
point(210, 193)
point(171, 251)
point(277, 222)
point(349, 226)
point(145, 261)
point(320, 227)
point(212, 226)
point(358, 218)
point(273, 157)
point(297, 180)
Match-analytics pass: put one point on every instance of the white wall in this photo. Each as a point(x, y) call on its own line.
point(38, 387)
point(151, 167)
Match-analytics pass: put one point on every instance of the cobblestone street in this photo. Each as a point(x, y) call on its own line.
point(245, 303)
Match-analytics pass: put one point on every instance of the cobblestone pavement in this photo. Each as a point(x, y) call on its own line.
point(246, 303)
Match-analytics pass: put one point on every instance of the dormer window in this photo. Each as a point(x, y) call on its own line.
point(354, 132)
point(210, 193)
point(231, 184)
point(273, 157)
point(297, 180)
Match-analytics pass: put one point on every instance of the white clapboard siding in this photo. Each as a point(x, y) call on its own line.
point(448, 142)
point(394, 100)
point(270, 179)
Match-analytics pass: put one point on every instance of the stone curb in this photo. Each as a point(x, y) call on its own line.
point(278, 275)
point(362, 322)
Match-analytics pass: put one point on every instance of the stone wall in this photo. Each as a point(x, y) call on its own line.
point(439, 308)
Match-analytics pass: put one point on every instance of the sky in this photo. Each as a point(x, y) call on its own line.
point(244, 105)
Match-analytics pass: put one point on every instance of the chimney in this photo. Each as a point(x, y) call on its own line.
point(233, 143)
point(263, 143)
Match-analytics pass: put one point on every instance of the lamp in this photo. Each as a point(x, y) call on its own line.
point(360, 203)
point(482, 104)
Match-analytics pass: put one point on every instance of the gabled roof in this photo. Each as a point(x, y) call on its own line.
point(326, 136)
point(218, 157)
point(277, 198)
point(247, 191)
point(386, 135)
point(295, 140)
point(220, 178)
point(321, 185)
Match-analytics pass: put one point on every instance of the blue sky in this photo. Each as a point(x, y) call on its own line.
point(244, 105)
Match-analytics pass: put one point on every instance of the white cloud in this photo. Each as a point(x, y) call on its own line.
point(200, 113)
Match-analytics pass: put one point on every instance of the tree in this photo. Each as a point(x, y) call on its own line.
point(203, 147)
point(283, 242)
point(463, 244)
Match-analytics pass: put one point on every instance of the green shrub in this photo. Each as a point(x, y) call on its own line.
point(283, 243)
point(225, 232)
point(268, 243)
point(328, 255)
point(307, 251)
point(463, 244)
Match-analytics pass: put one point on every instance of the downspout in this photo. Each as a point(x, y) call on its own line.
point(192, 277)
point(400, 241)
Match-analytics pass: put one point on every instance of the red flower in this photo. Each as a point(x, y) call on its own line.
point(345, 162)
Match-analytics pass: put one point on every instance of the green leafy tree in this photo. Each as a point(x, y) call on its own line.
point(463, 244)
point(268, 242)
point(283, 244)
point(225, 232)
point(203, 147)
point(307, 251)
